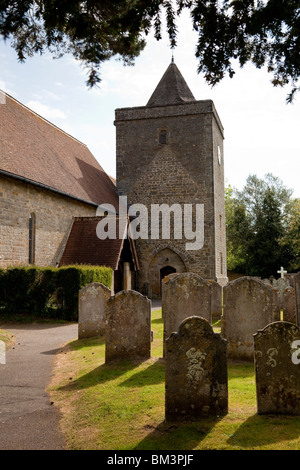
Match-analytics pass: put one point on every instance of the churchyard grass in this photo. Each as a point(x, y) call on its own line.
point(121, 405)
point(8, 338)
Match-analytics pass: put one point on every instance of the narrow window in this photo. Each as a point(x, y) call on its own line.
point(31, 248)
point(219, 156)
point(221, 262)
point(163, 137)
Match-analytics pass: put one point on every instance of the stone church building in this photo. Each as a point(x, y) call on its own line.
point(169, 152)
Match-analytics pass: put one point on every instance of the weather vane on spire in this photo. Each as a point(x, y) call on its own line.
point(173, 44)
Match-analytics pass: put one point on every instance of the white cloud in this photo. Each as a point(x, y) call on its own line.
point(46, 111)
point(6, 88)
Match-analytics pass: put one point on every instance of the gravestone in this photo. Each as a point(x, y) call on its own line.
point(290, 278)
point(196, 372)
point(92, 300)
point(216, 300)
point(128, 328)
point(297, 294)
point(248, 305)
point(289, 305)
point(277, 369)
point(184, 295)
point(280, 285)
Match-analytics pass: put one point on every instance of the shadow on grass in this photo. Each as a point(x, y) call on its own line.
point(154, 374)
point(102, 374)
point(177, 436)
point(78, 344)
point(240, 369)
point(262, 430)
point(157, 321)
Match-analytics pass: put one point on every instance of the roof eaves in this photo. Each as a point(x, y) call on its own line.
point(47, 188)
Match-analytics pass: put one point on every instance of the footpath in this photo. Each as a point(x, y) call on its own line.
point(28, 420)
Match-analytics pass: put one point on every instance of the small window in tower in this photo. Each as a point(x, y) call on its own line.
point(219, 156)
point(221, 263)
point(163, 137)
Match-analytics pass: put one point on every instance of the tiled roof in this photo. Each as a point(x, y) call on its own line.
point(84, 247)
point(172, 89)
point(33, 148)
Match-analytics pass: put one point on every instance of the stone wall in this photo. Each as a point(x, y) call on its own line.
point(53, 214)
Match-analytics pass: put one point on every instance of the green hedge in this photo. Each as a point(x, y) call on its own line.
point(47, 292)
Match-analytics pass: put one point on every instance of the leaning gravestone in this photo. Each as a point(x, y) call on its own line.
point(277, 369)
point(248, 305)
point(92, 301)
point(196, 372)
point(128, 330)
point(184, 295)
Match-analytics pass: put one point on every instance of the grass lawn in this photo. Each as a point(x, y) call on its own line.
point(121, 406)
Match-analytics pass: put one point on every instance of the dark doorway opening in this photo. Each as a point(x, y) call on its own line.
point(165, 271)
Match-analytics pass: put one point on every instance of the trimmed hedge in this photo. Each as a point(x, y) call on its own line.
point(47, 292)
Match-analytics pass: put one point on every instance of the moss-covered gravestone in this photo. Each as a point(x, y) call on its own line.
point(184, 295)
point(196, 372)
point(277, 369)
point(92, 301)
point(128, 327)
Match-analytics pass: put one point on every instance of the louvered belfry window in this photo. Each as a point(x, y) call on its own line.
point(163, 137)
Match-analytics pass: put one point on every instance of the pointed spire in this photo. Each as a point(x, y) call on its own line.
point(172, 88)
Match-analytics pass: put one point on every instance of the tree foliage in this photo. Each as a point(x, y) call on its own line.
point(258, 31)
point(263, 227)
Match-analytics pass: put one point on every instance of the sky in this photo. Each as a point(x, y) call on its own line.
point(262, 132)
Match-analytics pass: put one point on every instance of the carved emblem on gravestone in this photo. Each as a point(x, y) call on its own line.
point(195, 362)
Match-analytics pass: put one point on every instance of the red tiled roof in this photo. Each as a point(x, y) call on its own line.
point(33, 148)
point(84, 247)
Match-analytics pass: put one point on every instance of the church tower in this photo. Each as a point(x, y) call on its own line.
point(171, 152)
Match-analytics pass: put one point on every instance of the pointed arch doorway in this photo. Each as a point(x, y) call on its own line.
point(164, 262)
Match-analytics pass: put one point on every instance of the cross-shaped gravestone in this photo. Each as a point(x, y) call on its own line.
point(282, 272)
